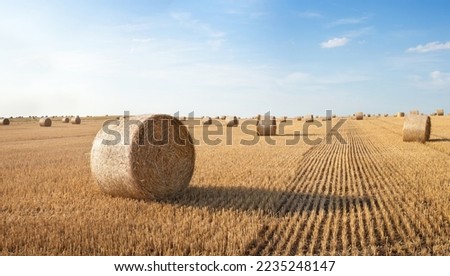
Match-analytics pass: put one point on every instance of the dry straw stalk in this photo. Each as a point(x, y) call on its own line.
point(157, 162)
point(416, 128)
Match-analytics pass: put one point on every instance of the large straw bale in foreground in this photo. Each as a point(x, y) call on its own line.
point(267, 126)
point(45, 122)
point(416, 128)
point(156, 161)
point(359, 115)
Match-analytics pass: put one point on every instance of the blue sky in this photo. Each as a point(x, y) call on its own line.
point(223, 57)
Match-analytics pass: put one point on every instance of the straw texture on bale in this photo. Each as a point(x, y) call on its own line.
point(401, 114)
point(75, 120)
point(359, 115)
point(4, 121)
point(65, 120)
point(309, 118)
point(45, 122)
point(155, 162)
point(207, 120)
point(267, 126)
point(232, 121)
point(440, 112)
point(416, 128)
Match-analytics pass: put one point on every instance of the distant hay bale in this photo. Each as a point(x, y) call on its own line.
point(232, 121)
point(45, 122)
point(217, 117)
point(401, 114)
point(267, 126)
point(440, 112)
point(156, 162)
point(299, 118)
point(414, 112)
point(359, 116)
point(206, 120)
point(4, 122)
point(75, 120)
point(283, 119)
point(65, 120)
point(416, 128)
point(386, 115)
point(309, 118)
point(223, 117)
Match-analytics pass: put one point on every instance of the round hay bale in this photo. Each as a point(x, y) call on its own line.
point(75, 120)
point(267, 126)
point(401, 114)
point(156, 162)
point(65, 120)
point(258, 117)
point(309, 118)
point(45, 122)
point(232, 121)
point(359, 116)
point(4, 122)
point(299, 118)
point(283, 119)
point(223, 117)
point(414, 112)
point(206, 120)
point(440, 112)
point(416, 128)
point(386, 115)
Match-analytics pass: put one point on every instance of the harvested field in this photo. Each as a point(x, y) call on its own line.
point(373, 195)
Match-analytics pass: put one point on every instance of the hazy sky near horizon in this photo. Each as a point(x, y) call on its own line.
point(223, 57)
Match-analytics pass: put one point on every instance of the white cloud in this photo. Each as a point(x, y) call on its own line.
point(429, 47)
point(335, 42)
point(435, 80)
point(309, 14)
point(348, 21)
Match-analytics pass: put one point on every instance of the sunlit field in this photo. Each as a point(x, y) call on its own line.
point(370, 195)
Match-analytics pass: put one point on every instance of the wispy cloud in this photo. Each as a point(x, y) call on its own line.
point(435, 80)
point(334, 42)
point(348, 21)
point(309, 14)
point(429, 47)
point(188, 21)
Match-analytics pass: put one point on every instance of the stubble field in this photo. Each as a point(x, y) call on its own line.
point(373, 195)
